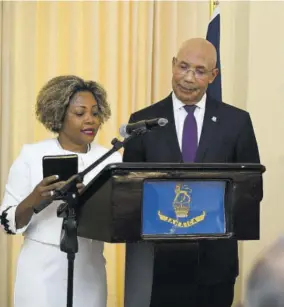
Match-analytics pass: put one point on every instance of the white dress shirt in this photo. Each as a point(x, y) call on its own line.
point(180, 115)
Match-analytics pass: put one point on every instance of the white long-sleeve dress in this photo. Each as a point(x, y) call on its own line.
point(41, 279)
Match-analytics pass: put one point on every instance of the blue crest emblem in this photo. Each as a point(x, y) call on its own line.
point(181, 207)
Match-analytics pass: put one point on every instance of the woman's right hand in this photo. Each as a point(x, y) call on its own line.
point(45, 189)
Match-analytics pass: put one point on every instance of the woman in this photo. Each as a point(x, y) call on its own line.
point(74, 109)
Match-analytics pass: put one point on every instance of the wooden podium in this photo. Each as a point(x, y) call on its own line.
point(172, 203)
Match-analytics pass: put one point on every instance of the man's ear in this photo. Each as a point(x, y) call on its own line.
point(213, 75)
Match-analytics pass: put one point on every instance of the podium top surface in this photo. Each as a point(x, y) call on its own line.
point(186, 166)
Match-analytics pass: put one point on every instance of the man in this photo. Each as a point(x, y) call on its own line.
point(202, 130)
point(266, 280)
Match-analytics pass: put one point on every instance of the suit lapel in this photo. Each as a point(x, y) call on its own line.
point(209, 128)
point(170, 129)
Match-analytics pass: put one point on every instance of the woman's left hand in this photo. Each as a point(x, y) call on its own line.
point(80, 186)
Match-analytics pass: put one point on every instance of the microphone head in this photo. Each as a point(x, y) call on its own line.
point(122, 131)
point(157, 122)
point(162, 122)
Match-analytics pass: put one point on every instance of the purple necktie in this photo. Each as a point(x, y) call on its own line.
point(189, 135)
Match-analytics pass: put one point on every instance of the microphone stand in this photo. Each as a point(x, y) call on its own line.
point(68, 209)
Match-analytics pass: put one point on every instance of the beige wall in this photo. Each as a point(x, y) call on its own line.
point(253, 79)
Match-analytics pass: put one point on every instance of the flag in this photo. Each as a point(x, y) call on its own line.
point(213, 35)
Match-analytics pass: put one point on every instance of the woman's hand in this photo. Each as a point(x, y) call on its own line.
point(45, 189)
point(80, 186)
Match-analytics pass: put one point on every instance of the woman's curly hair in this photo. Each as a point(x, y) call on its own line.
point(54, 98)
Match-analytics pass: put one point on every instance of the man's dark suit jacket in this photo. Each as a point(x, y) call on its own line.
point(228, 139)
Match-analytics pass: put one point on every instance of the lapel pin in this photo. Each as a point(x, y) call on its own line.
point(214, 119)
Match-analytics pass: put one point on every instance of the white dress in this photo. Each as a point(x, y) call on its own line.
point(41, 279)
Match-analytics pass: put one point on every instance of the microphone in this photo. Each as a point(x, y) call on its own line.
point(126, 130)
